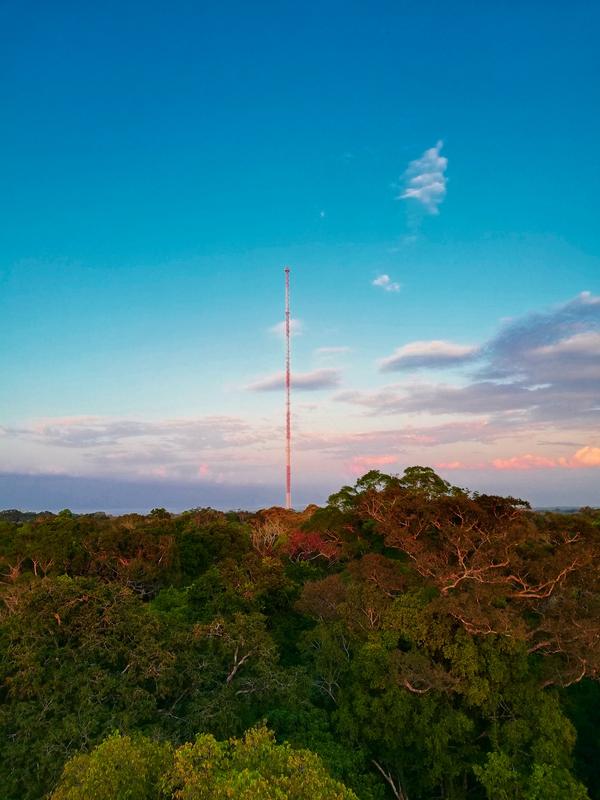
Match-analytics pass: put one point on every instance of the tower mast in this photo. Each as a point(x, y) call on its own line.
point(288, 386)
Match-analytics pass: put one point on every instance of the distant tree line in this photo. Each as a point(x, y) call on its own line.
point(409, 640)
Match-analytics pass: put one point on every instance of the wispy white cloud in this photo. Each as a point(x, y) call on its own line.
point(483, 397)
point(170, 449)
point(386, 283)
point(296, 328)
point(211, 432)
point(434, 353)
point(325, 378)
point(347, 444)
point(328, 352)
point(425, 179)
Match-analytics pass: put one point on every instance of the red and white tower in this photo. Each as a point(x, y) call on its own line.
point(288, 396)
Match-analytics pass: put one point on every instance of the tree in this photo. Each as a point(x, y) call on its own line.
point(427, 698)
point(498, 568)
point(416, 636)
point(428, 483)
point(77, 659)
point(12, 553)
point(119, 768)
point(251, 768)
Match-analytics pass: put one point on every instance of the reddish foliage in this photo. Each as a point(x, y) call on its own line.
point(309, 546)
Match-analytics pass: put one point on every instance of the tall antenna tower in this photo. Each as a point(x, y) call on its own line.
point(288, 403)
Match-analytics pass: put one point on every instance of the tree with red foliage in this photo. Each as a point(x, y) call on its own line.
point(310, 545)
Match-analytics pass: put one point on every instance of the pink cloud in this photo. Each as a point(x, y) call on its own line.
point(361, 464)
point(526, 461)
point(584, 457)
point(203, 470)
point(458, 465)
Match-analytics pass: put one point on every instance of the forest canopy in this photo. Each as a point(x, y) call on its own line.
point(410, 640)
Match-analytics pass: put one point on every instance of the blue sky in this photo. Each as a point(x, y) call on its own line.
point(162, 162)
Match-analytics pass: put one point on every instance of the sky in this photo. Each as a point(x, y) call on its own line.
point(428, 171)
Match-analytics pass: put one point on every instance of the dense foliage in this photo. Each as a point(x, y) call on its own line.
point(252, 768)
point(420, 640)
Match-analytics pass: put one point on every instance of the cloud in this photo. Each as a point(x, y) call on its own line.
point(577, 345)
point(325, 378)
point(587, 457)
point(425, 179)
point(527, 461)
point(529, 400)
point(188, 449)
point(541, 369)
point(451, 465)
point(584, 458)
point(434, 398)
point(219, 449)
point(296, 328)
point(386, 283)
point(348, 444)
point(213, 432)
point(434, 353)
point(326, 352)
point(361, 464)
point(561, 345)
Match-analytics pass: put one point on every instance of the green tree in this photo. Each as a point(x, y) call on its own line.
point(251, 768)
point(427, 700)
point(427, 482)
point(77, 659)
point(120, 768)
